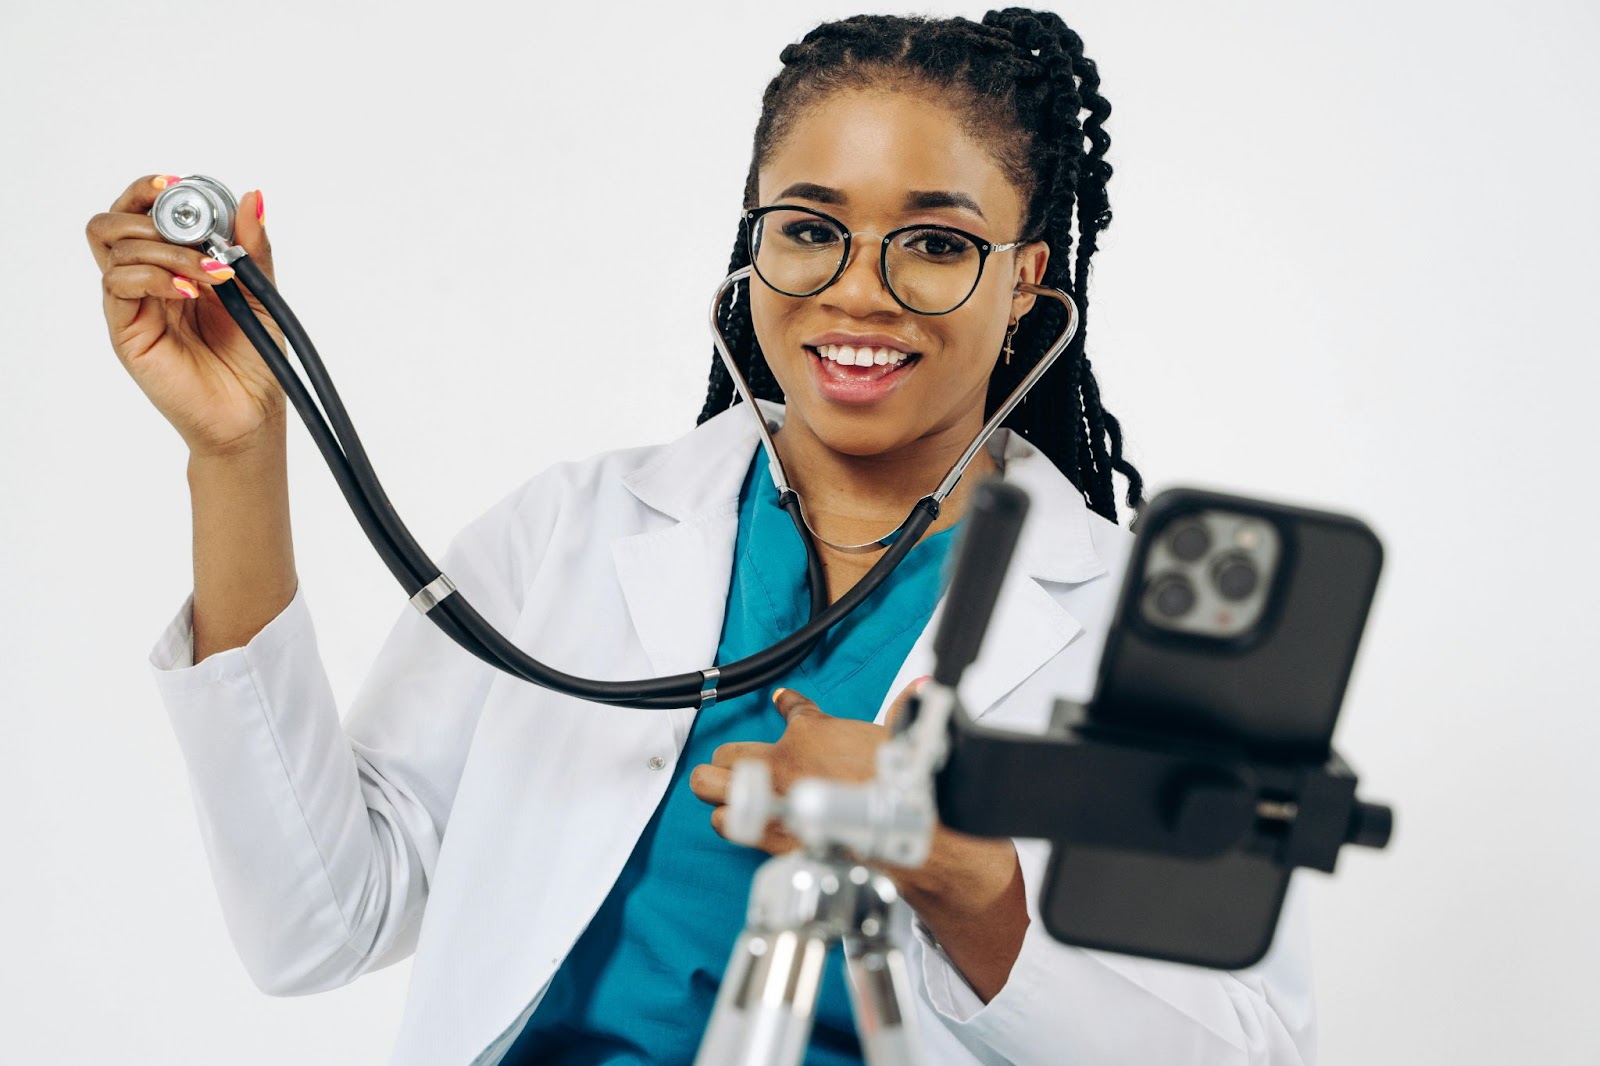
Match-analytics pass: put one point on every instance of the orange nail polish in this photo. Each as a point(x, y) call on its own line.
point(217, 269)
point(161, 181)
point(185, 286)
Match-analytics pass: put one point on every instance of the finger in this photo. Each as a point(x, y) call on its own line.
point(107, 228)
point(775, 841)
point(902, 701)
point(184, 262)
point(728, 754)
point(141, 195)
point(250, 232)
point(792, 705)
point(710, 783)
point(141, 280)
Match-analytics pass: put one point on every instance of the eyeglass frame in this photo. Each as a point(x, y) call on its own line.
point(751, 215)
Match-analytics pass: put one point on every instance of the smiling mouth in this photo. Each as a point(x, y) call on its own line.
point(867, 363)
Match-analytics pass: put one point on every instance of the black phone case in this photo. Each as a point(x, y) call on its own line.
point(1276, 690)
point(1273, 692)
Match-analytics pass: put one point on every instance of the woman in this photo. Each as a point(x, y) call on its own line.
point(582, 906)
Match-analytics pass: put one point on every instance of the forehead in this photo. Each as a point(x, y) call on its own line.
point(875, 145)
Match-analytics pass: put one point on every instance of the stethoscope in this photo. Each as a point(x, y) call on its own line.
point(199, 212)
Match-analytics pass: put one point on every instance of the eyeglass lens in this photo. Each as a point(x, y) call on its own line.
point(930, 269)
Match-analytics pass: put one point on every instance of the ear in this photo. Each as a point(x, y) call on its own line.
point(1031, 260)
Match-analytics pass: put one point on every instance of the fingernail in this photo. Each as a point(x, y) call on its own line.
point(923, 680)
point(185, 286)
point(778, 692)
point(217, 269)
point(261, 206)
point(161, 181)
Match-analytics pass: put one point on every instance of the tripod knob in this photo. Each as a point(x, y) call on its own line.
point(1370, 825)
point(751, 803)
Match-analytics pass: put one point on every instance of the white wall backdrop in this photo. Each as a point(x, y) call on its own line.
point(1353, 265)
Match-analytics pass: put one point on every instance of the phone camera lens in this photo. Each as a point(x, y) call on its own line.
point(1235, 575)
point(1189, 539)
point(1172, 595)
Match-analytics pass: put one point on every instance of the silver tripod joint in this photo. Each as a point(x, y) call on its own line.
point(890, 818)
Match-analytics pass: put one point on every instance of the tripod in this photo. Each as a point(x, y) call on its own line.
point(801, 904)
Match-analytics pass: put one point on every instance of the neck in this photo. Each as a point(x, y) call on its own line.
point(854, 499)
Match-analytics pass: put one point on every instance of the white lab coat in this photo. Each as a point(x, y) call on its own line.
point(328, 842)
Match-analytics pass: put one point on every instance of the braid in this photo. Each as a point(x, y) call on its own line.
point(740, 336)
point(719, 390)
point(1021, 81)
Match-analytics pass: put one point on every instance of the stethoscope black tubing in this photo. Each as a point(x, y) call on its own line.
point(233, 300)
point(408, 562)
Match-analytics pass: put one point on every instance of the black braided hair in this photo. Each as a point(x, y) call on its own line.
point(1020, 80)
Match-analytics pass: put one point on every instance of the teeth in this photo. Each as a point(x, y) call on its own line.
point(845, 355)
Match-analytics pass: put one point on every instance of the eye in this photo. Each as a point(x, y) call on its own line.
point(810, 233)
point(937, 245)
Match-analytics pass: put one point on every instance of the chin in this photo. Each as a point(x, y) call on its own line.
point(861, 434)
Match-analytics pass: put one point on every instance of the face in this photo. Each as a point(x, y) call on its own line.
point(869, 158)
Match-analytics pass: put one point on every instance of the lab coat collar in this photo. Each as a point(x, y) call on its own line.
point(699, 476)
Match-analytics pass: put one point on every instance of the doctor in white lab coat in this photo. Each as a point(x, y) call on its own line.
point(328, 844)
point(477, 821)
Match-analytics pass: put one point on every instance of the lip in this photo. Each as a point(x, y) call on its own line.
point(860, 340)
point(839, 386)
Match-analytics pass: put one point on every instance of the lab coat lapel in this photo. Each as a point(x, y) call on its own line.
point(675, 577)
point(675, 583)
point(1029, 626)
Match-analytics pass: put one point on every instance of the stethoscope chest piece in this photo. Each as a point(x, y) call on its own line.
point(195, 211)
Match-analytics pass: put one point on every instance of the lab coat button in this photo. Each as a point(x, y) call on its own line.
point(656, 762)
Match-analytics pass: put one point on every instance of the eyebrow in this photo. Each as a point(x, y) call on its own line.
point(917, 200)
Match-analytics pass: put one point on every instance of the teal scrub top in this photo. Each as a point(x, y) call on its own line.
point(639, 985)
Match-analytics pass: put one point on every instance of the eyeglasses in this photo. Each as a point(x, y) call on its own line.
point(929, 270)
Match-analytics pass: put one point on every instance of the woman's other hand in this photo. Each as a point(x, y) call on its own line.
point(813, 744)
point(969, 893)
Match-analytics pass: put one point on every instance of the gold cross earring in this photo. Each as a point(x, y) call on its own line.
point(1006, 351)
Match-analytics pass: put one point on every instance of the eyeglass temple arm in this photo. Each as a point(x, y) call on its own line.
point(953, 478)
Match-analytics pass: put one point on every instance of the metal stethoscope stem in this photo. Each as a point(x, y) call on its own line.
point(199, 211)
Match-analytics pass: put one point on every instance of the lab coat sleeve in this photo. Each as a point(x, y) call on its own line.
point(1063, 1004)
point(321, 842)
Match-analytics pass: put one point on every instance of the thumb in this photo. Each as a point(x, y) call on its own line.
point(792, 705)
point(897, 709)
point(250, 232)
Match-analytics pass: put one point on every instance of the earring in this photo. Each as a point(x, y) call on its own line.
point(1006, 351)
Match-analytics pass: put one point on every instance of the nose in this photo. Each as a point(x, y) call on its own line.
point(862, 290)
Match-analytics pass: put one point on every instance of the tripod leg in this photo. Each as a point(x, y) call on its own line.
point(767, 1000)
point(880, 981)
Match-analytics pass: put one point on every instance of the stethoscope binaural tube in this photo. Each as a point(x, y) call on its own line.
point(202, 215)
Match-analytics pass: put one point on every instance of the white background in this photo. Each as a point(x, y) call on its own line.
point(1353, 265)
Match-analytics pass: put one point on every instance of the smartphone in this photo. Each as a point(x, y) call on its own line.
point(1237, 625)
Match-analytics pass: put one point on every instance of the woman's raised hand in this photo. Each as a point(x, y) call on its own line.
point(171, 331)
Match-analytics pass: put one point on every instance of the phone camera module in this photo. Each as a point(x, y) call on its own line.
point(1209, 573)
point(1172, 595)
point(1235, 576)
point(1189, 539)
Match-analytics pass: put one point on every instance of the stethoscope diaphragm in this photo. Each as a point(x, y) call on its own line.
point(195, 211)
